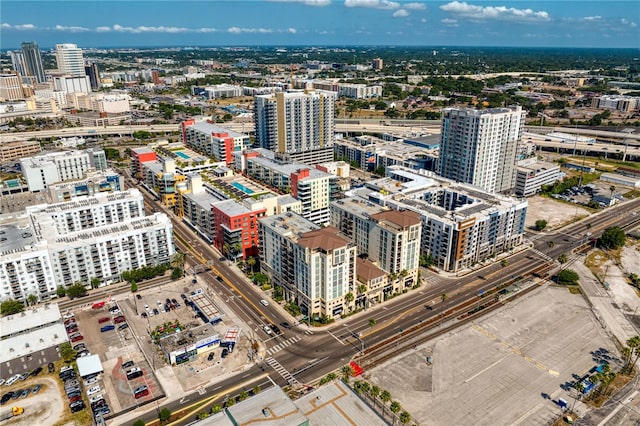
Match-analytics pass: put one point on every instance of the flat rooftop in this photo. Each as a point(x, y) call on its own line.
point(29, 319)
point(211, 128)
point(32, 342)
point(270, 407)
point(289, 224)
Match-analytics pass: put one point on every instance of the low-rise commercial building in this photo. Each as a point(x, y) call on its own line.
point(18, 149)
point(370, 153)
point(31, 339)
point(531, 176)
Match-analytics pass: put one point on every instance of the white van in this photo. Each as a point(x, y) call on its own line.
point(264, 302)
point(13, 379)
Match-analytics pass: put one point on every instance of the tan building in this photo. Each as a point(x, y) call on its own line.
point(10, 87)
point(18, 149)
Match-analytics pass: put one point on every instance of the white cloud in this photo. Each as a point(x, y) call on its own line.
point(238, 30)
point(629, 23)
point(147, 29)
point(423, 20)
point(496, 13)
point(21, 27)
point(374, 4)
point(292, 30)
point(71, 29)
point(592, 18)
point(414, 6)
point(450, 22)
point(317, 3)
point(400, 13)
point(103, 29)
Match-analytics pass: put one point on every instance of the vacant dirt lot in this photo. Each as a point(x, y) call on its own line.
point(554, 212)
point(45, 408)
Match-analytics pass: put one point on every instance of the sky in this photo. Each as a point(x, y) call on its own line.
point(151, 23)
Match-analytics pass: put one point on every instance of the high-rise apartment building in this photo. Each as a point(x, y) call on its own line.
point(299, 124)
point(11, 87)
point(33, 61)
point(18, 63)
point(479, 147)
point(377, 64)
point(94, 75)
point(70, 60)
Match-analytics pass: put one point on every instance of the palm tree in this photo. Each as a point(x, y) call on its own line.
point(32, 299)
point(443, 296)
point(178, 260)
point(405, 417)
point(372, 322)
point(347, 371)
point(365, 387)
point(251, 262)
point(634, 345)
point(395, 407)
point(375, 393)
point(349, 298)
point(612, 188)
point(385, 397)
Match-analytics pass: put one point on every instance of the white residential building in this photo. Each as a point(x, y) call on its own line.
point(298, 123)
point(479, 147)
point(315, 189)
point(73, 84)
point(315, 266)
point(92, 237)
point(53, 167)
point(70, 60)
point(213, 140)
point(461, 225)
point(359, 91)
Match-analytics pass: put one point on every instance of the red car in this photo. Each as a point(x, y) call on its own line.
point(72, 330)
point(75, 398)
point(142, 393)
point(77, 339)
point(70, 321)
point(118, 320)
point(103, 319)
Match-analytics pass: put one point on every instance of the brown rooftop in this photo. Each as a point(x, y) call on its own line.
point(328, 238)
point(401, 218)
point(367, 270)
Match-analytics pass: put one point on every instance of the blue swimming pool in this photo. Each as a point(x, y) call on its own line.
point(182, 155)
point(242, 188)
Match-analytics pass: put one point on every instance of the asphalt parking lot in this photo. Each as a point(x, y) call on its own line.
point(506, 368)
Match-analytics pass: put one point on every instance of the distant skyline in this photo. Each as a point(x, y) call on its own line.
point(599, 24)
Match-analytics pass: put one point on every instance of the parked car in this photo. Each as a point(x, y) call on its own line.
point(83, 354)
point(77, 339)
point(267, 329)
point(138, 297)
point(211, 356)
point(104, 319)
point(36, 371)
point(36, 389)
point(51, 367)
point(93, 390)
point(107, 328)
point(143, 315)
point(25, 393)
point(156, 312)
point(80, 347)
point(141, 391)
point(123, 326)
point(70, 321)
point(75, 399)
point(225, 352)
point(90, 381)
point(96, 398)
point(127, 365)
point(119, 319)
point(77, 406)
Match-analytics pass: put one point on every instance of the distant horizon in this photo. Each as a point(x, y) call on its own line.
point(216, 23)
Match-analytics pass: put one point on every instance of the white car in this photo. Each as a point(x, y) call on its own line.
point(264, 302)
point(93, 390)
point(90, 381)
point(69, 315)
point(267, 329)
point(95, 398)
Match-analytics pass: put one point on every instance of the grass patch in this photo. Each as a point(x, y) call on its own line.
point(634, 193)
point(605, 164)
point(616, 384)
point(574, 289)
point(595, 262)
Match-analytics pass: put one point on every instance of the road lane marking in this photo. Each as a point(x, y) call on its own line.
point(339, 341)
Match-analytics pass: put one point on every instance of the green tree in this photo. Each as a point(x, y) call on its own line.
point(251, 262)
point(375, 393)
point(256, 389)
point(216, 409)
point(349, 298)
point(612, 238)
point(395, 407)
point(10, 307)
point(634, 352)
point(385, 397)
point(176, 273)
point(139, 422)
point(32, 299)
point(380, 171)
point(67, 353)
point(563, 258)
point(230, 402)
point(568, 277)
point(405, 417)
point(76, 290)
point(202, 415)
point(242, 396)
point(443, 297)
point(178, 260)
point(95, 282)
point(165, 415)
point(61, 291)
point(134, 286)
point(372, 322)
point(540, 224)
